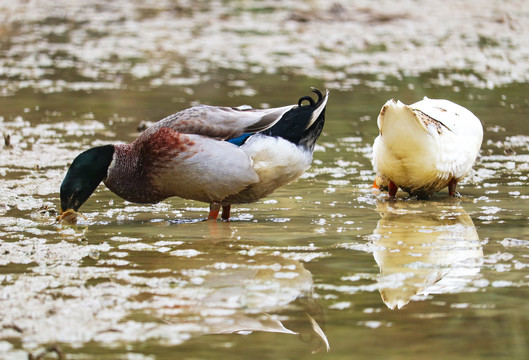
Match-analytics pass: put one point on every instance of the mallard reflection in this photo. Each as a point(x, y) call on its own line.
point(424, 247)
point(268, 294)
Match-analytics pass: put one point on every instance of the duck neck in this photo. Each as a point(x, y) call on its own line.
point(129, 178)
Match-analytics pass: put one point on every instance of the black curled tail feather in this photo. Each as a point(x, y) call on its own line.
point(317, 120)
point(311, 135)
point(310, 99)
point(302, 125)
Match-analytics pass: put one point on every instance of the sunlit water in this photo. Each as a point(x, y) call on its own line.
point(322, 268)
point(321, 263)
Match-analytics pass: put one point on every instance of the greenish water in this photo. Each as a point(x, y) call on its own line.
point(157, 282)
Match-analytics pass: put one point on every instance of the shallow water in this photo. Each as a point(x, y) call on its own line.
point(445, 277)
point(322, 268)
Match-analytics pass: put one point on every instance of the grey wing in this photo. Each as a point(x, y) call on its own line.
point(222, 122)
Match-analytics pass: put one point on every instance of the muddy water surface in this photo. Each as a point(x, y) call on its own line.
point(320, 264)
point(322, 268)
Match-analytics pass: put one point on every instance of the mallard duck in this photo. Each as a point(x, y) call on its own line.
point(424, 147)
point(217, 155)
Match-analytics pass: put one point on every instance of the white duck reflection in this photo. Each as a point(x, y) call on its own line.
point(423, 248)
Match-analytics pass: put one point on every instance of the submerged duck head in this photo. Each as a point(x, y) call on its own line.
point(84, 175)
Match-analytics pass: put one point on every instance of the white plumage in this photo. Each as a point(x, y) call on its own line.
point(426, 146)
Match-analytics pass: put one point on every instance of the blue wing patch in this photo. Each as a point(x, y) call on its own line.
point(241, 139)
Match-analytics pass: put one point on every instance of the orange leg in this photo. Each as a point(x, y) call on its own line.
point(452, 188)
point(226, 212)
point(375, 189)
point(214, 211)
point(392, 189)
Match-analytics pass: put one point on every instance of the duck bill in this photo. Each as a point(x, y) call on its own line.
point(68, 217)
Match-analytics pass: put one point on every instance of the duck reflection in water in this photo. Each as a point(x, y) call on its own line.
point(422, 248)
point(267, 294)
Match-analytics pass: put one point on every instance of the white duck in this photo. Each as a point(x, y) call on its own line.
point(424, 147)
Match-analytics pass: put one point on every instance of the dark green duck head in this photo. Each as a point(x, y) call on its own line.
point(84, 175)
